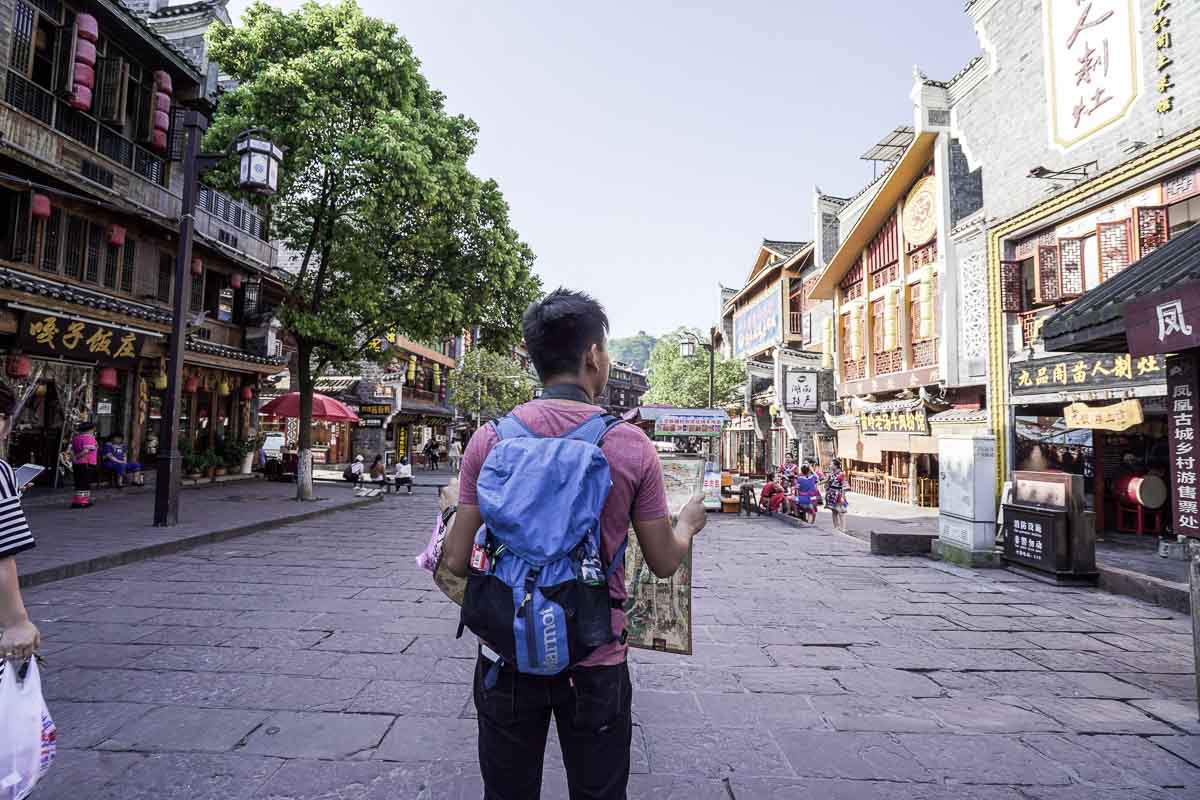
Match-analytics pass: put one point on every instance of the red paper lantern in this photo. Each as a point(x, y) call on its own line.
point(81, 100)
point(162, 80)
point(197, 267)
point(84, 75)
point(162, 102)
point(235, 280)
point(18, 367)
point(162, 121)
point(86, 27)
point(107, 379)
point(191, 384)
point(247, 393)
point(39, 206)
point(158, 140)
point(116, 235)
point(85, 52)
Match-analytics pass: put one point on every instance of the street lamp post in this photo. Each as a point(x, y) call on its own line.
point(259, 174)
point(687, 349)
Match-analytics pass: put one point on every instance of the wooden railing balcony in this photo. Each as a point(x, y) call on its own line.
point(888, 362)
point(234, 224)
point(39, 125)
point(925, 353)
point(853, 370)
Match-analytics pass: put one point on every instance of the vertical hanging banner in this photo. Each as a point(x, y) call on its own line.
point(1183, 394)
point(1091, 55)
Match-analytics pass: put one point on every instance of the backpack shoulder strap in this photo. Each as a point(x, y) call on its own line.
point(593, 430)
point(509, 427)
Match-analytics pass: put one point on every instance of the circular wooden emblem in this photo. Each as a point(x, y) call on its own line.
point(920, 212)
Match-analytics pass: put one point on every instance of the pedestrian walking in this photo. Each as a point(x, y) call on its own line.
point(455, 455)
point(431, 455)
point(19, 637)
point(588, 694)
point(83, 456)
point(835, 494)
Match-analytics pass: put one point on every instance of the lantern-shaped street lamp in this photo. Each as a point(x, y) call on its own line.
point(258, 168)
point(258, 173)
point(687, 347)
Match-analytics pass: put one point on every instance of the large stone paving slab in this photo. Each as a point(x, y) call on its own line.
point(317, 661)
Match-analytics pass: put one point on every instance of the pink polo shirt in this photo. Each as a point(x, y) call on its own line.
point(637, 491)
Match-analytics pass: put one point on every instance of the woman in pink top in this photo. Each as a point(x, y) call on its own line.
point(83, 450)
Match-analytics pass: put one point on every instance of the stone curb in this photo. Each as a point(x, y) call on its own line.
point(1167, 594)
point(111, 560)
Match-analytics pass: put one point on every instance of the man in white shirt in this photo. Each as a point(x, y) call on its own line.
point(402, 476)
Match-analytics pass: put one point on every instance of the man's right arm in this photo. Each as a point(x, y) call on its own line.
point(663, 545)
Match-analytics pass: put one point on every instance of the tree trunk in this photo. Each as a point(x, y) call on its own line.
point(304, 477)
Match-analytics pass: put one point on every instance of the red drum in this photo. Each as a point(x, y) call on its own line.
point(1147, 491)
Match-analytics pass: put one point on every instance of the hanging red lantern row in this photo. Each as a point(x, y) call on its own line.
point(191, 384)
point(197, 267)
point(247, 393)
point(17, 367)
point(87, 32)
point(107, 379)
point(39, 206)
point(235, 280)
point(116, 235)
point(162, 110)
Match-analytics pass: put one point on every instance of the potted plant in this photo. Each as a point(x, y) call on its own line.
point(211, 460)
point(239, 455)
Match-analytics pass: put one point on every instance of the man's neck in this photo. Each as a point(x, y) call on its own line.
point(567, 390)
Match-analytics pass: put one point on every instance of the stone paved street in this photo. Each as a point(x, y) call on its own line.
point(317, 661)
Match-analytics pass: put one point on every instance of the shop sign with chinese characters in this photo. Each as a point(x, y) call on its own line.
point(1028, 539)
point(915, 421)
point(1183, 399)
point(1116, 417)
point(47, 334)
point(374, 409)
point(1084, 372)
point(1160, 29)
point(1091, 53)
point(682, 425)
point(1167, 321)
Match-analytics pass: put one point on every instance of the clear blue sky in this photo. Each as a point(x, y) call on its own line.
point(646, 148)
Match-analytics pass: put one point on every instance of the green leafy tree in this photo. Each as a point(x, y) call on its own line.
point(393, 231)
point(633, 350)
point(489, 383)
point(678, 381)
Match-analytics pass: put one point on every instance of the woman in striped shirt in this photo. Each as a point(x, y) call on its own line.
point(19, 638)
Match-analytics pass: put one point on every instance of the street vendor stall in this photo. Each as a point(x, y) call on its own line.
point(694, 431)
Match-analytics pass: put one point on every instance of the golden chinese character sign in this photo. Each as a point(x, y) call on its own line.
point(914, 421)
point(1116, 417)
point(47, 334)
point(1091, 53)
point(1084, 372)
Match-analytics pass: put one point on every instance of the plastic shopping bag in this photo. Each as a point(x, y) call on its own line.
point(433, 551)
point(28, 738)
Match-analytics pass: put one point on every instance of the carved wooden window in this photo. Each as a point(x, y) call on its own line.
point(1114, 243)
point(1153, 228)
point(112, 266)
point(20, 224)
point(95, 243)
point(128, 264)
point(1070, 266)
point(166, 271)
point(1049, 284)
point(877, 326)
point(51, 241)
point(74, 246)
point(112, 87)
point(24, 20)
point(1012, 290)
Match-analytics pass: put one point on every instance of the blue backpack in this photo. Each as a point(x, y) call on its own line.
point(537, 591)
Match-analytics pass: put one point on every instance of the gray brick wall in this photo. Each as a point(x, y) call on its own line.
point(966, 185)
point(1004, 121)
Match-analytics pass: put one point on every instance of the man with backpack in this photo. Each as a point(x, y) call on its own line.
point(546, 499)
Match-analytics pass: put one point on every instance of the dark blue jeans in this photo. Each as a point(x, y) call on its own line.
point(590, 705)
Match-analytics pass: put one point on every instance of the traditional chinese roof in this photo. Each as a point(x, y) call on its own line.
point(41, 287)
point(333, 384)
point(212, 349)
point(1093, 323)
point(783, 248)
point(138, 21)
point(889, 405)
point(414, 406)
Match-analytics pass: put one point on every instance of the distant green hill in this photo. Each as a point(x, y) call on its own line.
point(633, 350)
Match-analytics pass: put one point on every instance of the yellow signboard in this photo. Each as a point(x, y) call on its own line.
point(1117, 417)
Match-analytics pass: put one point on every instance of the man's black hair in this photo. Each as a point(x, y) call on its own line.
point(560, 328)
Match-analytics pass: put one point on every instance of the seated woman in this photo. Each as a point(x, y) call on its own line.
point(772, 496)
point(807, 495)
point(402, 475)
point(115, 459)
